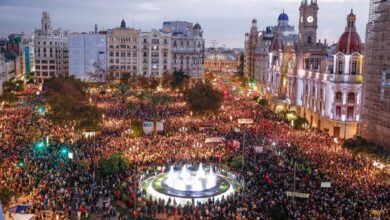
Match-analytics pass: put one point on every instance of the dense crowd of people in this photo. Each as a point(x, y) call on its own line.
point(292, 160)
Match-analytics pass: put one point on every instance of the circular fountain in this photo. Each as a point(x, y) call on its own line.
point(189, 183)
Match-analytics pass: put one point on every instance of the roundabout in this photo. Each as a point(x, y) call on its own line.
point(190, 183)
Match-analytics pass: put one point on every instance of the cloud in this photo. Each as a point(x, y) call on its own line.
point(223, 20)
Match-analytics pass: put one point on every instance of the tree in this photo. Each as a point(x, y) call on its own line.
point(89, 118)
point(202, 99)
point(30, 79)
point(263, 102)
point(10, 88)
point(9, 97)
point(300, 123)
point(5, 196)
point(209, 76)
point(14, 86)
point(69, 104)
point(123, 89)
point(157, 101)
point(235, 162)
point(240, 69)
point(141, 82)
point(136, 128)
point(113, 165)
point(153, 83)
point(141, 96)
point(180, 80)
point(166, 81)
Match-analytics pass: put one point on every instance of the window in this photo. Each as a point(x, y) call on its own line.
point(309, 40)
point(351, 97)
point(338, 111)
point(350, 112)
point(339, 96)
point(340, 67)
point(354, 68)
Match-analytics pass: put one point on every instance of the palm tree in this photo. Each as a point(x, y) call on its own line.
point(157, 101)
point(123, 89)
point(141, 96)
point(180, 80)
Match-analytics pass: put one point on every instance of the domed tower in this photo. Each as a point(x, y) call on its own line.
point(198, 30)
point(283, 19)
point(123, 23)
point(46, 22)
point(349, 44)
point(349, 41)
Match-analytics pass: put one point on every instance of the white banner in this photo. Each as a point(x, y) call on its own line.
point(148, 127)
point(245, 121)
point(89, 134)
point(325, 184)
point(298, 194)
point(214, 140)
point(160, 126)
point(259, 149)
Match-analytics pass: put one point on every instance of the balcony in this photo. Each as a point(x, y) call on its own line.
point(343, 78)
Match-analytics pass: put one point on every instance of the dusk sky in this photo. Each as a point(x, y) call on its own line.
point(225, 21)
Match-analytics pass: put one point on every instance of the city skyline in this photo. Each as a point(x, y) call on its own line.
point(227, 23)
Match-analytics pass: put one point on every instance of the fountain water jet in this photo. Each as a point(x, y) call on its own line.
point(187, 180)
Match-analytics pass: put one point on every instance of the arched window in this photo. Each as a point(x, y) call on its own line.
point(339, 96)
point(351, 97)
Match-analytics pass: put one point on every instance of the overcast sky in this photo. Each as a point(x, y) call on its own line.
point(225, 21)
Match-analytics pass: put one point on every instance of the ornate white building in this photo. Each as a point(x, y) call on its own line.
point(301, 78)
point(156, 54)
point(188, 49)
point(50, 50)
point(258, 46)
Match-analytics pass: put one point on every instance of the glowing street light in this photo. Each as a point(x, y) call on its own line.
point(41, 110)
point(20, 164)
point(39, 145)
point(64, 150)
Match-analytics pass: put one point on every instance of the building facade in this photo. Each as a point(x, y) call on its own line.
point(188, 47)
point(320, 83)
point(88, 56)
point(375, 124)
point(28, 56)
point(251, 39)
point(123, 50)
point(7, 71)
point(50, 50)
point(156, 53)
point(222, 61)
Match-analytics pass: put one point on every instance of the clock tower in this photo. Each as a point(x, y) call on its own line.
point(308, 22)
